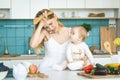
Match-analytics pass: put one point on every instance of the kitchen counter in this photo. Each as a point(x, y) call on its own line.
point(32, 57)
point(22, 57)
point(64, 75)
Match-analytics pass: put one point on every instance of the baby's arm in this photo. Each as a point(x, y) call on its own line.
point(89, 54)
point(69, 54)
point(85, 59)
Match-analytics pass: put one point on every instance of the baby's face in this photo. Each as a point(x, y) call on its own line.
point(75, 36)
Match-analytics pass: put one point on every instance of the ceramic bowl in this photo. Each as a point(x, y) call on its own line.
point(2, 15)
point(3, 74)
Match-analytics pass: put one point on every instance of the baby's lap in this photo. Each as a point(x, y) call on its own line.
point(76, 63)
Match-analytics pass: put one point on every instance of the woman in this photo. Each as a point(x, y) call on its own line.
point(51, 34)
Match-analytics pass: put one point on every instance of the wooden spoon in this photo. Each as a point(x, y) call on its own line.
point(108, 47)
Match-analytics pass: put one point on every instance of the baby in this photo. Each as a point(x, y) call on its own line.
point(78, 53)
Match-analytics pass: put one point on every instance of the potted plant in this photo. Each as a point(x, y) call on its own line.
point(88, 27)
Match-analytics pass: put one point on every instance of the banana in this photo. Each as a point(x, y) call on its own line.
point(113, 65)
point(116, 42)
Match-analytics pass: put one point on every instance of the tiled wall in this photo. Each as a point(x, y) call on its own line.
point(17, 33)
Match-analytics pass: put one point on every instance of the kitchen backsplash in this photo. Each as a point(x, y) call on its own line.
point(17, 33)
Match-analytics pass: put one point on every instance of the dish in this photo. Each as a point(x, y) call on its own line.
point(3, 74)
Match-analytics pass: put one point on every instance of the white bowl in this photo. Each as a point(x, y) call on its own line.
point(3, 74)
point(2, 15)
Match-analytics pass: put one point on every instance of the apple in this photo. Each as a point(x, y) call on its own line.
point(33, 69)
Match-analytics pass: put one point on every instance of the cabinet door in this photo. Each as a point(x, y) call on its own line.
point(20, 9)
point(10, 63)
point(102, 3)
point(94, 3)
point(37, 5)
point(4, 3)
point(75, 4)
point(111, 3)
point(57, 4)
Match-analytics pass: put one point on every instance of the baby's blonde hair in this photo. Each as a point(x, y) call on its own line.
point(82, 32)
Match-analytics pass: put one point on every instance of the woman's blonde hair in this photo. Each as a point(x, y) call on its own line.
point(49, 16)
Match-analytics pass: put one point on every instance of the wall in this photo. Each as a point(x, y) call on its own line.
point(118, 28)
point(17, 33)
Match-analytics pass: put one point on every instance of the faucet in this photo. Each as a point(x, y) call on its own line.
point(30, 51)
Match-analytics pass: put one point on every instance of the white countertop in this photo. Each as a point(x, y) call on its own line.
point(64, 75)
point(32, 57)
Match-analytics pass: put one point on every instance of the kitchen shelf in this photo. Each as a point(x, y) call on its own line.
point(5, 13)
point(91, 18)
point(82, 13)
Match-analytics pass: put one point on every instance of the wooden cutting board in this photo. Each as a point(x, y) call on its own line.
point(97, 76)
point(40, 75)
point(107, 34)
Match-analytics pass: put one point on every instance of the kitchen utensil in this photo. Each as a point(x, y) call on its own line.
point(39, 75)
point(107, 34)
point(107, 47)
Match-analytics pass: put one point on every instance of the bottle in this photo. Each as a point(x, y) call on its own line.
point(6, 48)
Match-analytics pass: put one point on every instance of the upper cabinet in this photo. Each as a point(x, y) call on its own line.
point(20, 9)
point(119, 12)
point(27, 9)
point(75, 4)
point(57, 4)
point(111, 3)
point(102, 4)
point(37, 5)
point(94, 3)
point(4, 3)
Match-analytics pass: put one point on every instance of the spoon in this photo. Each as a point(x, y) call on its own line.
point(108, 47)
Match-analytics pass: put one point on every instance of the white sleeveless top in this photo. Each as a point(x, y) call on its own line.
point(55, 51)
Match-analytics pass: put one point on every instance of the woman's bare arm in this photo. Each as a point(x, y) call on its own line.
point(37, 36)
point(39, 33)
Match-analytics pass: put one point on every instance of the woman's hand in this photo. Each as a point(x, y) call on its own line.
point(43, 19)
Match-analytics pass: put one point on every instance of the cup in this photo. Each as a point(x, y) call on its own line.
point(73, 14)
point(63, 14)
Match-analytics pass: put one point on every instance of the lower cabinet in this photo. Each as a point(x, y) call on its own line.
point(10, 63)
point(102, 61)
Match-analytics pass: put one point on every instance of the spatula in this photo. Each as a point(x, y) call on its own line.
point(108, 47)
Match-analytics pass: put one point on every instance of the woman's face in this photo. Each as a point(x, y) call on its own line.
point(51, 25)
